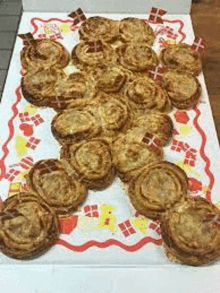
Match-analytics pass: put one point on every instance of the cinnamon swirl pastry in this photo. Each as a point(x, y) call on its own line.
point(136, 30)
point(91, 161)
point(137, 56)
point(45, 53)
point(28, 226)
point(183, 89)
point(57, 186)
point(84, 59)
point(144, 94)
point(156, 188)
point(75, 124)
point(191, 232)
point(181, 57)
point(131, 154)
point(158, 124)
point(38, 87)
point(99, 28)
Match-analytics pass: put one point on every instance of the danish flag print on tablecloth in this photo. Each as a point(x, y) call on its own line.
point(199, 45)
point(95, 47)
point(155, 15)
point(28, 39)
point(42, 36)
point(26, 163)
point(91, 211)
point(47, 167)
point(190, 153)
point(156, 72)
point(58, 104)
point(24, 117)
point(37, 119)
point(12, 174)
point(56, 36)
point(33, 142)
point(78, 17)
point(152, 141)
point(155, 226)
point(126, 228)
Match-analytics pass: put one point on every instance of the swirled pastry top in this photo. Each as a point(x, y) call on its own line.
point(45, 53)
point(136, 30)
point(28, 226)
point(75, 124)
point(131, 153)
point(190, 234)
point(158, 187)
point(181, 57)
point(84, 59)
point(143, 93)
point(157, 123)
point(136, 56)
point(57, 186)
point(183, 88)
point(92, 162)
point(99, 28)
point(38, 87)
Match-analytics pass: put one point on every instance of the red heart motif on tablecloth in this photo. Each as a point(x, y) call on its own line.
point(27, 129)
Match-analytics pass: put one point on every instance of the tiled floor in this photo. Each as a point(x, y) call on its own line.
point(10, 13)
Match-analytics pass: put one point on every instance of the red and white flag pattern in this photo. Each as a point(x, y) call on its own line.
point(126, 228)
point(78, 17)
point(156, 72)
point(156, 15)
point(152, 141)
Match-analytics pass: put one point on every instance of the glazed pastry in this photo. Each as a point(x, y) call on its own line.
point(28, 226)
point(92, 162)
point(181, 57)
point(183, 89)
point(136, 30)
point(144, 94)
point(131, 154)
point(57, 186)
point(45, 53)
point(137, 56)
point(38, 87)
point(158, 124)
point(190, 232)
point(99, 28)
point(84, 59)
point(156, 188)
point(75, 124)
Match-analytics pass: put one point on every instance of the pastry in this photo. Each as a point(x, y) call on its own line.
point(157, 123)
point(191, 232)
point(183, 89)
point(99, 28)
point(136, 56)
point(181, 57)
point(144, 94)
point(92, 162)
point(136, 30)
point(28, 226)
point(57, 186)
point(157, 188)
point(131, 153)
point(75, 124)
point(45, 53)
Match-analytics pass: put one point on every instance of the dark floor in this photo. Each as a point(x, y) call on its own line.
point(10, 13)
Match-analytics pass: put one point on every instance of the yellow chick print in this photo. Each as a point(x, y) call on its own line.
point(107, 220)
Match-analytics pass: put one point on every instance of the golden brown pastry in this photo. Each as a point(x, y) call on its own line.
point(157, 123)
point(92, 162)
point(144, 94)
point(181, 57)
point(183, 89)
point(99, 28)
point(75, 124)
point(28, 226)
point(137, 56)
point(57, 186)
point(45, 53)
point(131, 153)
point(157, 188)
point(84, 59)
point(136, 30)
point(190, 233)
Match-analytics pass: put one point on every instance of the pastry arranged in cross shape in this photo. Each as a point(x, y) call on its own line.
point(99, 28)
point(183, 88)
point(181, 57)
point(91, 161)
point(136, 30)
point(131, 153)
point(44, 53)
point(157, 187)
point(191, 233)
point(28, 226)
point(56, 184)
point(137, 56)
